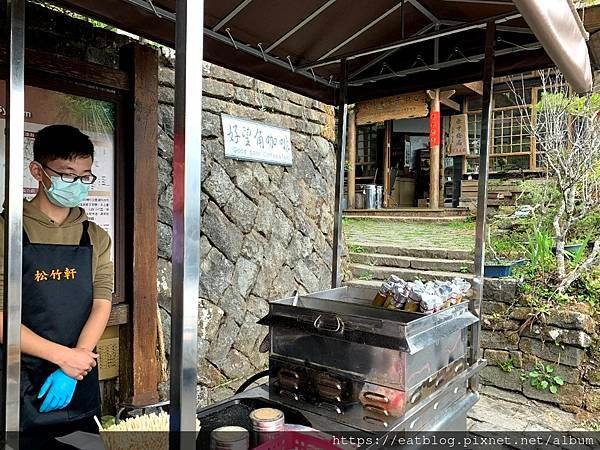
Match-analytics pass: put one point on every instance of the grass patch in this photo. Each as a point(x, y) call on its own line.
point(366, 276)
point(454, 235)
point(355, 248)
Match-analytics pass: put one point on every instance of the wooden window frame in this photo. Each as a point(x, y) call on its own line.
point(360, 140)
point(532, 153)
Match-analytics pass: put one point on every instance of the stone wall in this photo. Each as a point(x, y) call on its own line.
point(266, 229)
point(515, 338)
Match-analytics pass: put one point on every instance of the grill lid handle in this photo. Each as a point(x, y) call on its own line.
point(326, 324)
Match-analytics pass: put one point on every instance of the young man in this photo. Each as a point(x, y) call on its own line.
point(67, 288)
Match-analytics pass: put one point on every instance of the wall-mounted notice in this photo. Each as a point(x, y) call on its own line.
point(254, 141)
point(93, 117)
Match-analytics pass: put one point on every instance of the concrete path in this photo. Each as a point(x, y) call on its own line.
point(499, 410)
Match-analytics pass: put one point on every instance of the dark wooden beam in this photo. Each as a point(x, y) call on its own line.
point(475, 86)
point(68, 68)
point(140, 368)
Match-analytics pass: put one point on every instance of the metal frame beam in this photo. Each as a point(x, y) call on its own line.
point(423, 10)
point(160, 12)
point(485, 2)
point(480, 24)
point(507, 28)
point(380, 58)
point(187, 160)
point(359, 32)
point(306, 69)
point(13, 231)
point(267, 58)
point(231, 15)
point(446, 64)
point(300, 25)
point(229, 40)
point(482, 187)
point(342, 127)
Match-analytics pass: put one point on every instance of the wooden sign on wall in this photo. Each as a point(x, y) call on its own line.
point(408, 106)
point(459, 136)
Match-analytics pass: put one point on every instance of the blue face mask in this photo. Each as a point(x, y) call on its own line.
point(66, 195)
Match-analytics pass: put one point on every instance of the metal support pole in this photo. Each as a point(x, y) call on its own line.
point(13, 231)
point(342, 121)
point(484, 164)
point(186, 222)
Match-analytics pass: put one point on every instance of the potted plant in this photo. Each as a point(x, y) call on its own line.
point(503, 258)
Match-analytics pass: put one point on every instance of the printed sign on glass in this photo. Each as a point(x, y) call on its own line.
point(255, 141)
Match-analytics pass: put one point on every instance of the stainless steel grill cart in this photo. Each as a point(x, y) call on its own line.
point(340, 365)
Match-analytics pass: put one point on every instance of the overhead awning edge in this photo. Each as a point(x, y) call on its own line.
point(558, 27)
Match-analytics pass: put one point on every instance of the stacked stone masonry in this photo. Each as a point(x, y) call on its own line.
point(266, 229)
point(565, 339)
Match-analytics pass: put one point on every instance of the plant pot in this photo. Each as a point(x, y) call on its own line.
point(497, 270)
point(501, 270)
point(572, 248)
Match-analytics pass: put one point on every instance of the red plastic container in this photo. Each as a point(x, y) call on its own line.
point(293, 440)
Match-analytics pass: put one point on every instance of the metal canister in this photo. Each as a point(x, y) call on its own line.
point(359, 198)
point(265, 422)
point(229, 438)
point(370, 196)
point(379, 197)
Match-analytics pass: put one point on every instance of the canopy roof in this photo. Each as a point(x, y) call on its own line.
point(389, 44)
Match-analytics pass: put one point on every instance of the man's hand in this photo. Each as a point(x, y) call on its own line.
point(58, 389)
point(77, 362)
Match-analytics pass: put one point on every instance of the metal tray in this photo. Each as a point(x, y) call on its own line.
point(345, 313)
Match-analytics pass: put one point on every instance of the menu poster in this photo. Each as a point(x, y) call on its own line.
point(94, 118)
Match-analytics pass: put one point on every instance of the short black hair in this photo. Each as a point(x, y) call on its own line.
point(61, 142)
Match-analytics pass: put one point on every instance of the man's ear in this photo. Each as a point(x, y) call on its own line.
point(36, 170)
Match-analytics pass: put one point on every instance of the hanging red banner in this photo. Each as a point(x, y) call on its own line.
point(434, 128)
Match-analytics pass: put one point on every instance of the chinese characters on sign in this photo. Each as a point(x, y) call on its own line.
point(434, 128)
point(459, 137)
point(255, 141)
point(55, 274)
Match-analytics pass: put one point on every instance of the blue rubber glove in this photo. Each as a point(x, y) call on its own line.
point(58, 389)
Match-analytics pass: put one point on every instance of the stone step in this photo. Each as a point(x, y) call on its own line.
point(443, 219)
point(367, 272)
point(399, 250)
point(460, 213)
point(410, 262)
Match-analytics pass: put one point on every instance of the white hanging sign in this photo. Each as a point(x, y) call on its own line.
point(255, 141)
